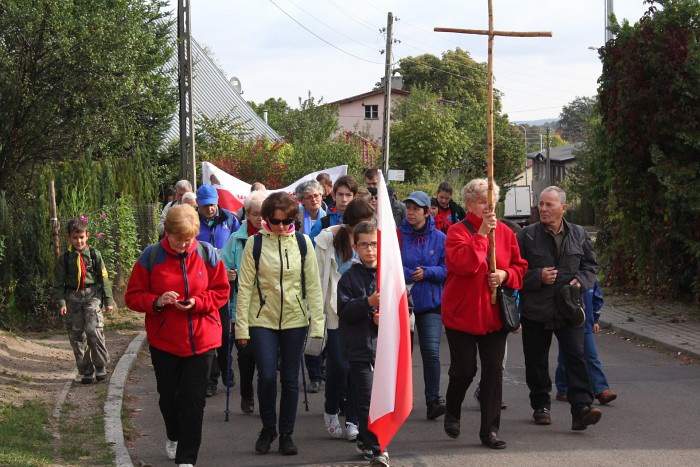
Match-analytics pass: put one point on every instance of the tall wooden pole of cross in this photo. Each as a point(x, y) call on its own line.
point(489, 116)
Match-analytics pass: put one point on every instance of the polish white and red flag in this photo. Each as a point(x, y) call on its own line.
point(392, 386)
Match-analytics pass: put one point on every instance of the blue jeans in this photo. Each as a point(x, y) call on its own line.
point(337, 379)
point(429, 327)
point(595, 369)
point(265, 343)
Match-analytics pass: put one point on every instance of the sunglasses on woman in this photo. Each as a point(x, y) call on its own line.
point(274, 221)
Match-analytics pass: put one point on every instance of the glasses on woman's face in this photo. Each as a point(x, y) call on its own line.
point(367, 245)
point(275, 221)
point(309, 197)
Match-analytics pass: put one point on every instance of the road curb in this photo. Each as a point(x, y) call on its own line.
point(114, 431)
point(645, 338)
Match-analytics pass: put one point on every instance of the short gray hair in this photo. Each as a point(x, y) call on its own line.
point(558, 190)
point(306, 187)
point(256, 198)
point(183, 185)
point(478, 188)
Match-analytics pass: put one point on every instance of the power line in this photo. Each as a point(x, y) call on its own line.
point(362, 23)
point(333, 29)
point(321, 38)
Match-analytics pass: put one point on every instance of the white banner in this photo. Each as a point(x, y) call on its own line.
point(240, 190)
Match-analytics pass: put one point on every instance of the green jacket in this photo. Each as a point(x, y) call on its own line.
point(232, 254)
point(66, 279)
point(280, 285)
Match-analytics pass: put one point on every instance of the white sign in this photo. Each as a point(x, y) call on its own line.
point(396, 175)
point(241, 189)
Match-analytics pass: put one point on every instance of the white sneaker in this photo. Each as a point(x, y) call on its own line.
point(351, 431)
point(171, 449)
point(333, 427)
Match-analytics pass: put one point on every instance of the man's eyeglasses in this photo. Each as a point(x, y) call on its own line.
point(274, 221)
point(367, 245)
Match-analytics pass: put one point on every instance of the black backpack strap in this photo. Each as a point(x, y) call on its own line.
point(65, 265)
point(257, 251)
point(301, 241)
point(100, 279)
point(469, 226)
point(155, 249)
point(326, 222)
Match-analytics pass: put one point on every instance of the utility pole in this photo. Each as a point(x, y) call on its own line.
point(387, 96)
point(188, 164)
point(549, 170)
point(608, 11)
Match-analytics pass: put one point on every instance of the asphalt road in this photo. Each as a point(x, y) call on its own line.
point(655, 421)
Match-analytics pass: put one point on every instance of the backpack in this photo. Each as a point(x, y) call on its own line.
point(325, 222)
point(156, 248)
point(257, 251)
point(93, 260)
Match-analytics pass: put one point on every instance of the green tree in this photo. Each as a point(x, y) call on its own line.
point(277, 110)
point(455, 77)
point(81, 80)
point(575, 117)
point(424, 138)
point(646, 165)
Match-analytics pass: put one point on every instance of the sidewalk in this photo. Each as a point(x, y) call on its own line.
point(671, 327)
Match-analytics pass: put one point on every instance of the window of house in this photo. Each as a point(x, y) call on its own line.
point(371, 112)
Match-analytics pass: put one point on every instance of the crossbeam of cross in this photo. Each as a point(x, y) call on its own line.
point(492, 33)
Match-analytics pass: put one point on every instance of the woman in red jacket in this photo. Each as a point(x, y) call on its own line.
point(180, 285)
point(471, 322)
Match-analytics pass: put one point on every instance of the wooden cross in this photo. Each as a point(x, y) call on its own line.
point(489, 116)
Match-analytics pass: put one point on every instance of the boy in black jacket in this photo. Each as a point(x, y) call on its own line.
point(359, 321)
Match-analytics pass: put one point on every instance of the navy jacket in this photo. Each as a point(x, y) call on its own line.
point(427, 250)
point(225, 224)
point(593, 303)
point(358, 333)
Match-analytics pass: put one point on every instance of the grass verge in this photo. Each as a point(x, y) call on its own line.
point(26, 440)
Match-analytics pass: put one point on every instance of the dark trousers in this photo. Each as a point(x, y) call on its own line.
point(337, 379)
point(246, 368)
point(182, 386)
point(265, 343)
point(463, 366)
point(536, 343)
point(361, 375)
point(223, 353)
point(314, 365)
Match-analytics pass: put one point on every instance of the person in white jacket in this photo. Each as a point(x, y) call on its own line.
point(334, 254)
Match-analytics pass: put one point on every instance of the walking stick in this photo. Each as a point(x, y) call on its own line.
point(229, 349)
point(303, 375)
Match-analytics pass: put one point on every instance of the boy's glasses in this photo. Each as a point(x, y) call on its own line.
point(274, 221)
point(367, 245)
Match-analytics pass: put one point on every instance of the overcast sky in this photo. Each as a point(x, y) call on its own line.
point(265, 44)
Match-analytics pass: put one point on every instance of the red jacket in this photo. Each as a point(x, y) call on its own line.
point(466, 301)
point(174, 331)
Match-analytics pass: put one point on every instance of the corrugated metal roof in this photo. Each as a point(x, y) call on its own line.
point(214, 96)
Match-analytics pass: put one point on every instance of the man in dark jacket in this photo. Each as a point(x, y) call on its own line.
point(558, 253)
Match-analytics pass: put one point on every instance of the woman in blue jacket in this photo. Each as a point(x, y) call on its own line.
point(423, 256)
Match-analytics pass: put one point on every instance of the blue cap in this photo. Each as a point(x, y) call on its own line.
point(206, 194)
point(420, 198)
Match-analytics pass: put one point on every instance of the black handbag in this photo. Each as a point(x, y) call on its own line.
point(505, 298)
point(507, 303)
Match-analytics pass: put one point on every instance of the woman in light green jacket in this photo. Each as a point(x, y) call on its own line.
point(274, 310)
